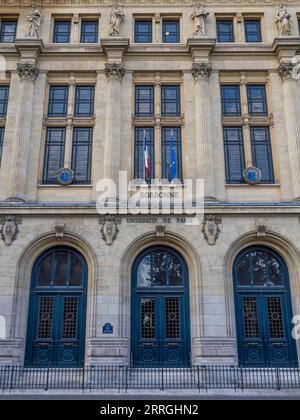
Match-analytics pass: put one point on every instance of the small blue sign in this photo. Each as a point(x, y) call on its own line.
point(108, 329)
point(65, 176)
point(252, 175)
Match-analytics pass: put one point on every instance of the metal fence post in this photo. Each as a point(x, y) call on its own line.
point(278, 380)
point(47, 380)
point(11, 378)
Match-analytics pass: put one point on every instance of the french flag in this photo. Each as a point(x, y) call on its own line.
point(146, 158)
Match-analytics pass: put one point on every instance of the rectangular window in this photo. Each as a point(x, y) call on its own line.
point(231, 100)
point(170, 101)
point(144, 101)
point(1, 142)
point(234, 154)
point(89, 31)
point(84, 101)
point(167, 154)
point(262, 153)
point(143, 32)
point(257, 100)
point(139, 160)
point(62, 31)
point(225, 31)
point(4, 93)
point(82, 154)
point(8, 31)
point(54, 153)
point(171, 31)
point(253, 31)
point(58, 101)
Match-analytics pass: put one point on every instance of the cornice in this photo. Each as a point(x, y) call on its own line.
point(140, 3)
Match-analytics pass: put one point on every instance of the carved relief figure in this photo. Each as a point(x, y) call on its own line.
point(210, 228)
point(283, 20)
point(116, 18)
point(199, 15)
point(109, 229)
point(34, 20)
point(9, 229)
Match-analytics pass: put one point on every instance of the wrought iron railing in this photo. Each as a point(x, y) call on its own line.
point(124, 378)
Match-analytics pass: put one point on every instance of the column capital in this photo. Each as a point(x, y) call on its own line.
point(114, 70)
point(201, 70)
point(286, 70)
point(27, 71)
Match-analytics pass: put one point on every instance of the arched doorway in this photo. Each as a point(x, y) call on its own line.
point(263, 309)
point(160, 309)
point(57, 310)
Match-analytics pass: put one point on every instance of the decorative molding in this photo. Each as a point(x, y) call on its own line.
point(201, 70)
point(210, 228)
point(60, 230)
point(114, 70)
point(286, 70)
point(9, 229)
point(109, 229)
point(27, 71)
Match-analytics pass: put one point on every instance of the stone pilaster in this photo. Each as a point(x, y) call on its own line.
point(205, 152)
point(290, 84)
point(112, 149)
point(28, 74)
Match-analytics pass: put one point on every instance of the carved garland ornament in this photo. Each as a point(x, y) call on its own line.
point(9, 229)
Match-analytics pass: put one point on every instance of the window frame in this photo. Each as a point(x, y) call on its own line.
point(241, 145)
point(3, 24)
point(268, 144)
point(46, 180)
point(51, 102)
point(219, 34)
point(137, 34)
point(178, 150)
point(84, 22)
point(225, 101)
point(138, 101)
point(177, 34)
point(76, 143)
point(56, 34)
point(79, 102)
point(139, 146)
point(5, 101)
point(264, 101)
point(247, 34)
point(165, 102)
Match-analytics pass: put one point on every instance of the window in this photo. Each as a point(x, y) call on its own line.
point(142, 133)
point(143, 31)
point(257, 100)
point(170, 100)
point(8, 31)
point(54, 153)
point(62, 32)
point(82, 154)
point(234, 154)
point(1, 142)
point(171, 31)
point(4, 93)
point(225, 31)
point(84, 101)
point(144, 101)
point(262, 153)
point(253, 31)
point(231, 100)
point(89, 31)
point(167, 133)
point(58, 101)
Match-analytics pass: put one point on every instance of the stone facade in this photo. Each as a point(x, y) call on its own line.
point(50, 215)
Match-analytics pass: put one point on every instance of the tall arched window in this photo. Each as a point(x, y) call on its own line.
point(263, 309)
point(160, 309)
point(56, 320)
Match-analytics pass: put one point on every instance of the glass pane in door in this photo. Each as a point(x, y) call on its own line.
point(172, 318)
point(148, 318)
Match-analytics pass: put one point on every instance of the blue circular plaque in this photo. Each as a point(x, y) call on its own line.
point(252, 175)
point(65, 176)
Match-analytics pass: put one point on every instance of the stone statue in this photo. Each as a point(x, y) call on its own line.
point(199, 15)
point(283, 21)
point(34, 20)
point(116, 18)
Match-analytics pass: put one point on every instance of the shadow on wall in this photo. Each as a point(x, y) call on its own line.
point(2, 328)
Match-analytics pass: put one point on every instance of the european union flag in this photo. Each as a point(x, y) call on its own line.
point(173, 164)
